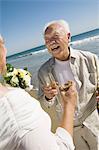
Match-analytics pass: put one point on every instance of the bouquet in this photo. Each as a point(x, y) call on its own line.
point(18, 77)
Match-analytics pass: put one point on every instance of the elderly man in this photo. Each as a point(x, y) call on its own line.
point(68, 64)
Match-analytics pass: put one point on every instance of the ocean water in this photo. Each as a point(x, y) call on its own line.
point(34, 58)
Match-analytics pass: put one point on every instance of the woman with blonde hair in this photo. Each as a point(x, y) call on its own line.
point(2, 56)
point(23, 123)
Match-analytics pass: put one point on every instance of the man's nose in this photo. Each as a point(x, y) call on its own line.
point(52, 41)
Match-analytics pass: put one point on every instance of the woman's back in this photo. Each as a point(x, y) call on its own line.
point(19, 114)
point(25, 126)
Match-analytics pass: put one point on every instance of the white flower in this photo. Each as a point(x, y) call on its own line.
point(18, 78)
point(25, 75)
point(15, 71)
point(14, 81)
point(23, 72)
point(27, 80)
point(8, 74)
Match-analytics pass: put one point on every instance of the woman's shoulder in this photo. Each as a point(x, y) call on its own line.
point(7, 90)
point(18, 100)
point(18, 95)
point(3, 91)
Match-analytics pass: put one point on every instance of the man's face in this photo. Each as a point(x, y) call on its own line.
point(57, 40)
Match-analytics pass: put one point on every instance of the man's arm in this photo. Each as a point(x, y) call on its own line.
point(45, 92)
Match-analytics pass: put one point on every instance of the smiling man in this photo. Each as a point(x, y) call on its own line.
point(81, 67)
point(57, 43)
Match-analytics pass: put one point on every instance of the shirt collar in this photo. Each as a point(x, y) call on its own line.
point(73, 53)
point(73, 56)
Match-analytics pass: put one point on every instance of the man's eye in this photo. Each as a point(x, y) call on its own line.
point(47, 41)
point(56, 36)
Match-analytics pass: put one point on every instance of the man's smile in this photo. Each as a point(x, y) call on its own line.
point(55, 48)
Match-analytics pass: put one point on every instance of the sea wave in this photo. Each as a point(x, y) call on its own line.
point(33, 53)
point(78, 42)
point(28, 54)
point(41, 51)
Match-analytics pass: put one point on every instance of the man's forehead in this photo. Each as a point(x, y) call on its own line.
point(54, 28)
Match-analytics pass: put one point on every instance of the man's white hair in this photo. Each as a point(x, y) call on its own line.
point(61, 22)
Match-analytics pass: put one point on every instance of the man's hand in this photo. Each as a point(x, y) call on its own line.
point(97, 94)
point(97, 99)
point(50, 91)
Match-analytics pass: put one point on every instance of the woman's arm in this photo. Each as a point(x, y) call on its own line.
point(41, 138)
point(69, 101)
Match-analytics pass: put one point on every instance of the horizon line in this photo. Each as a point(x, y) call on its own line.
point(44, 47)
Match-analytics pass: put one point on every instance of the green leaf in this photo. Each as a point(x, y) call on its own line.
point(10, 68)
point(25, 68)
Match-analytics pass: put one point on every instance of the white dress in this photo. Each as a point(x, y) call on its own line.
point(25, 126)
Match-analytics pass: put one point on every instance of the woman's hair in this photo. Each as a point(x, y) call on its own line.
point(1, 39)
point(2, 56)
point(60, 22)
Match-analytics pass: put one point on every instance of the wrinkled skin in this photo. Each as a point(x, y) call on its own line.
point(57, 41)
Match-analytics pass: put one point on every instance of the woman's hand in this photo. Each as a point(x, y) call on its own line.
point(69, 97)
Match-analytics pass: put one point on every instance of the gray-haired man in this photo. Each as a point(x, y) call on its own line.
point(83, 68)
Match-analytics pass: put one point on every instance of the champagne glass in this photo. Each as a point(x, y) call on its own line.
point(59, 107)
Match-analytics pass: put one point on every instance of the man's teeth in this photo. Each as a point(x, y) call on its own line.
point(54, 48)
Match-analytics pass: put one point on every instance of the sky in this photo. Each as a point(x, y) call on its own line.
point(22, 21)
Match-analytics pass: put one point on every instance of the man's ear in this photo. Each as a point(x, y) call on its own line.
point(68, 35)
